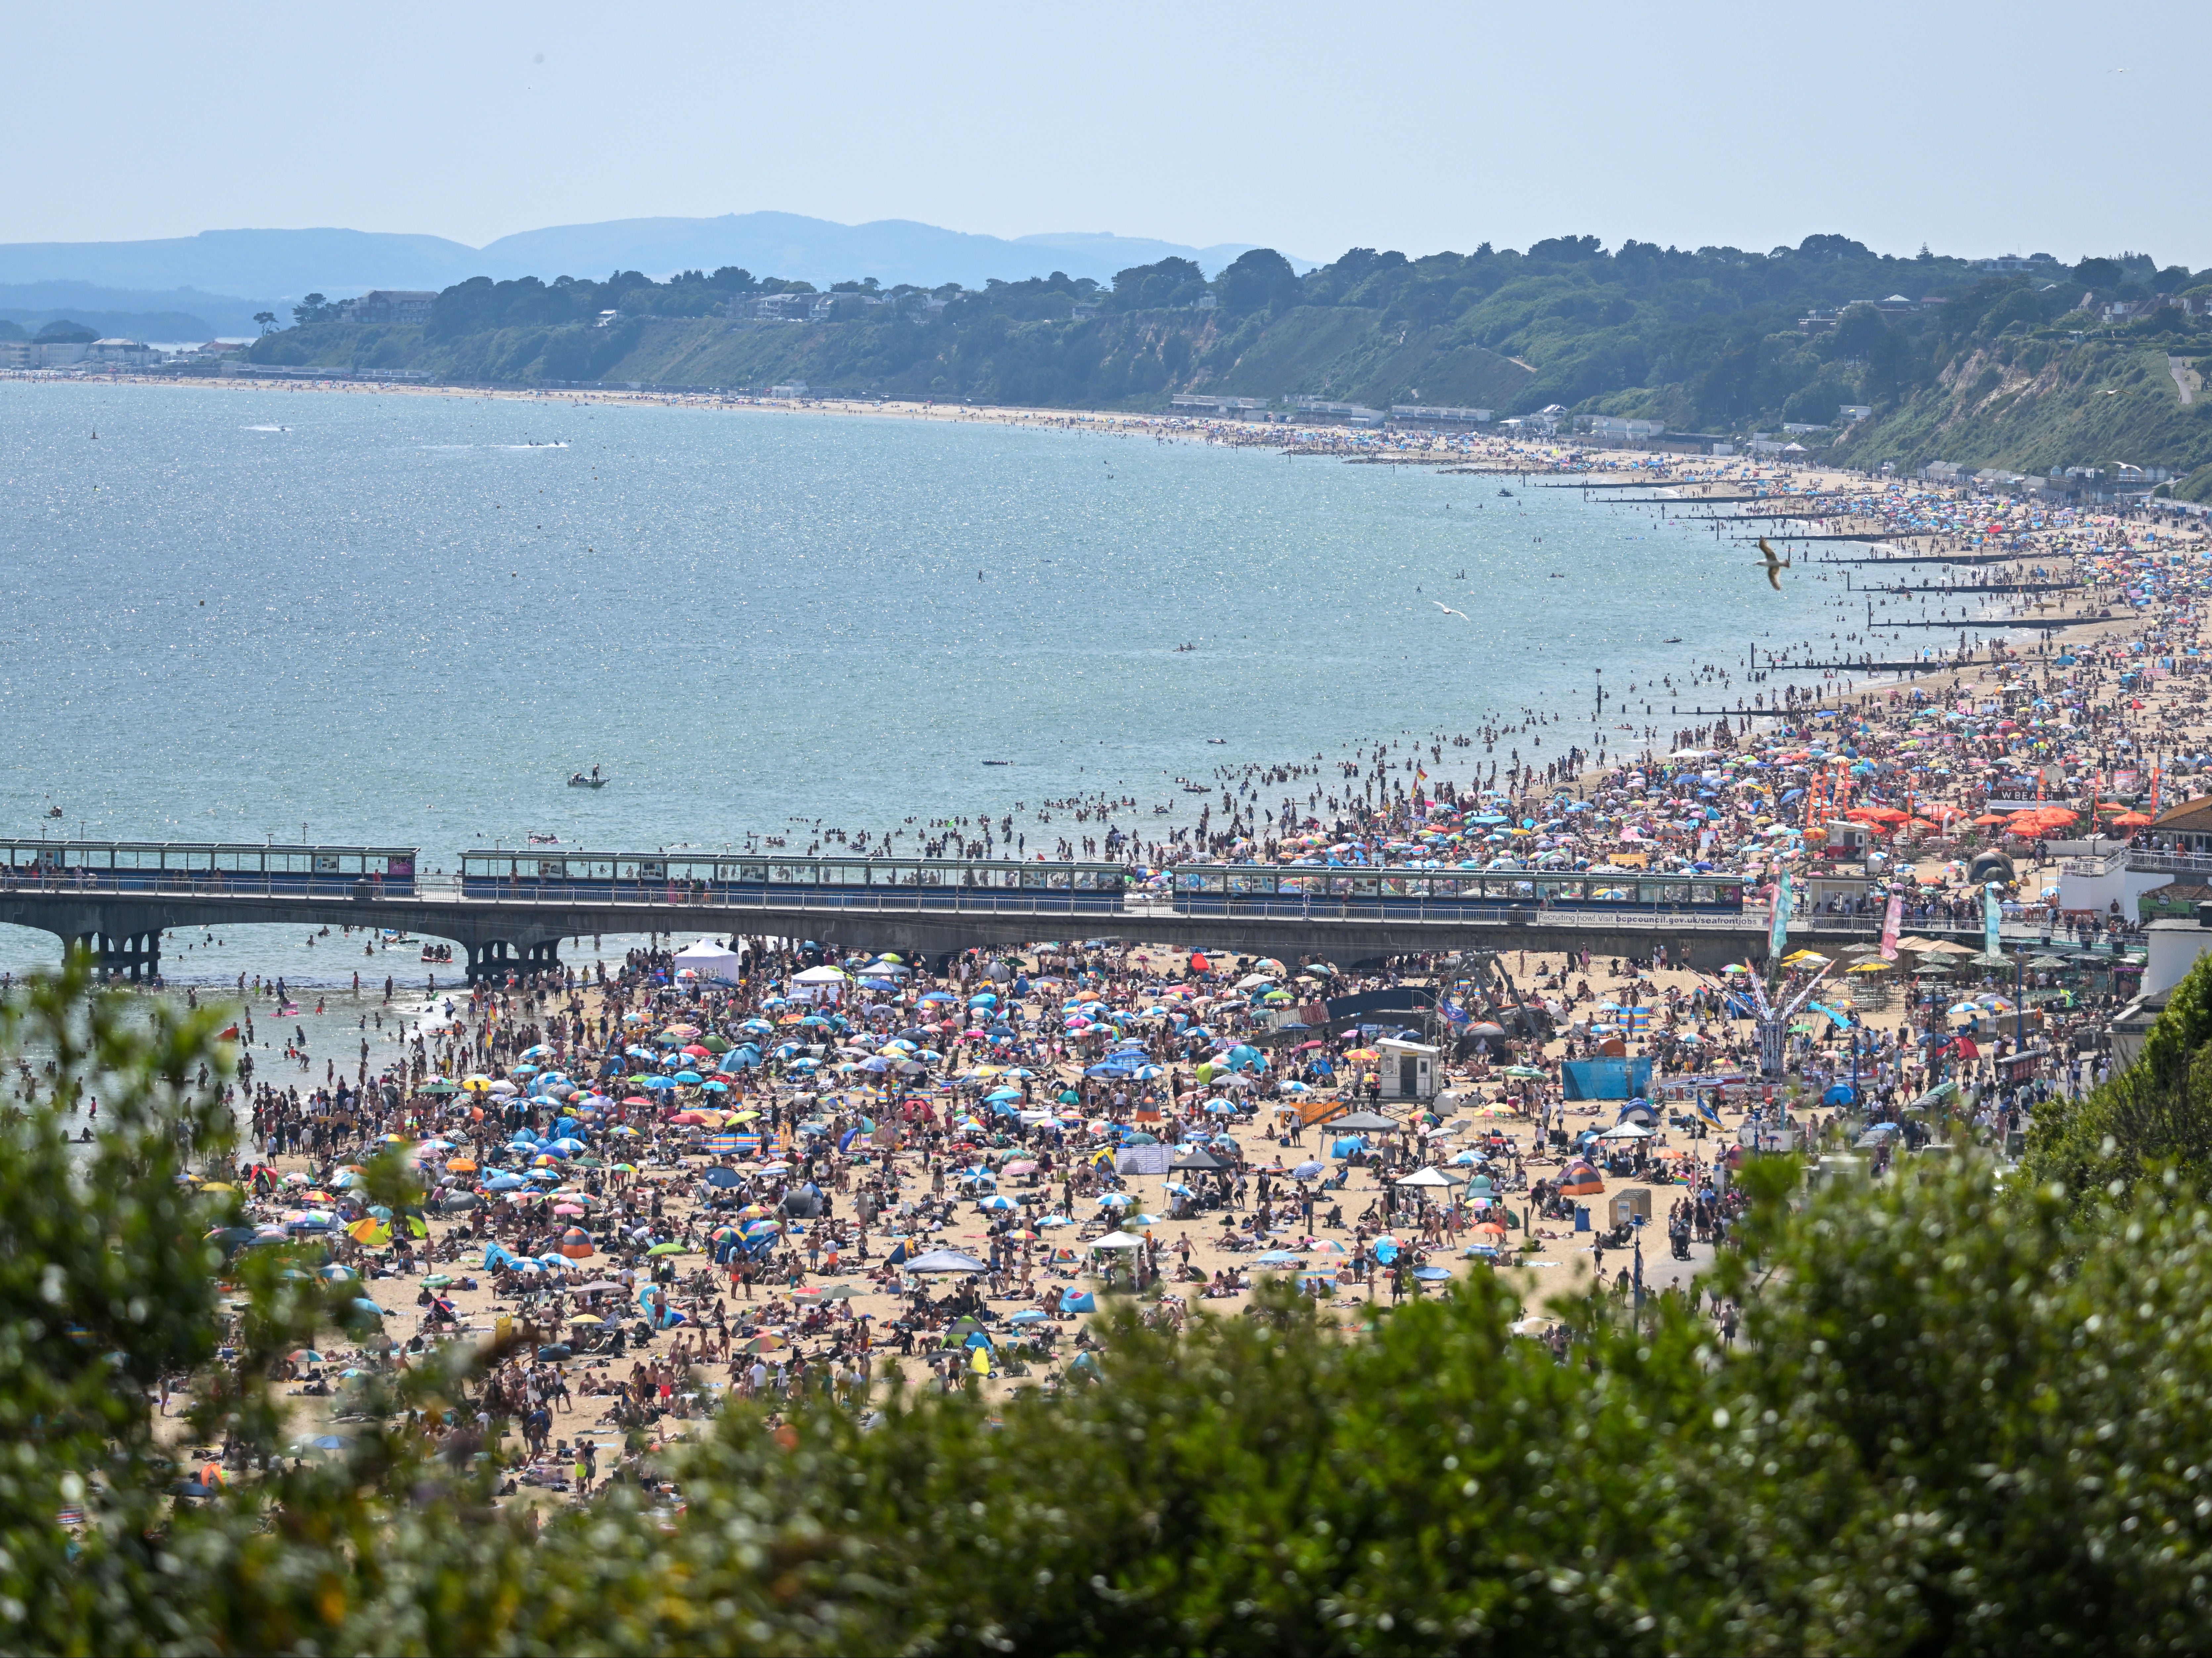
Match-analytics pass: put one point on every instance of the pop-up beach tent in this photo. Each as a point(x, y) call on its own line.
point(710, 960)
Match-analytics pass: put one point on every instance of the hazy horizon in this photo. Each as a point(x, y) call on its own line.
point(1975, 130)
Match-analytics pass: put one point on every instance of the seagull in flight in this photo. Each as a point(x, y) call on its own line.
point(1448, 610)
point(1774, 566)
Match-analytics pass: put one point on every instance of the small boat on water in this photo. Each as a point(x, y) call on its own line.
point(998, 762)
point(592, 781)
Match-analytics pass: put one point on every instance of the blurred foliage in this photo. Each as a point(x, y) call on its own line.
point(1966, 1414)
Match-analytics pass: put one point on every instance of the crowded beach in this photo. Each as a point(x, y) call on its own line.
point(718, 1169)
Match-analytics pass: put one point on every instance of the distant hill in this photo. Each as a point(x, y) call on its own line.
point(248, 264)
point(180, 313)
point(292, 264)
point(2027, 369)
point(789, 244)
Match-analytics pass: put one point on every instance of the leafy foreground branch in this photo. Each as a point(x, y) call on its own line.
point(1964, 1419)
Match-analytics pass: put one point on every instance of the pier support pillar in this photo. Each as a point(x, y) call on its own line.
point(496, 958)
point(490, 960)
point(133, 956)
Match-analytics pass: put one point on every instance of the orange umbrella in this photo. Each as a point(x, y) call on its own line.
point(1990, 818)
point(2132, 820)
point(1876, 815)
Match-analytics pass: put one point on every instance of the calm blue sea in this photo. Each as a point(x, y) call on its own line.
point(362, 618)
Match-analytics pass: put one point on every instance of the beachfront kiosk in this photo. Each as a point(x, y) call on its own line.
point(1406, 1071)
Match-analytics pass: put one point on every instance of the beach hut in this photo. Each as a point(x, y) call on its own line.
point(1406, 1071)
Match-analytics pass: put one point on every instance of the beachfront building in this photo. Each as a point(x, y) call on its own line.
point(1232, 408)
point(1615, 426)
point(118, 353)
point(1423, 414)
point(1350, 414)
point(2185, 827)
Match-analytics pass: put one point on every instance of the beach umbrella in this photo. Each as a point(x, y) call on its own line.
point(945, 1260)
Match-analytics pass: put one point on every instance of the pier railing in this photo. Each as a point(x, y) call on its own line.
point(2172, 862)
point(201, 883)
point(1057, 904)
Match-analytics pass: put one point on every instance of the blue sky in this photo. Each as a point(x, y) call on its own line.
point(1975, 127)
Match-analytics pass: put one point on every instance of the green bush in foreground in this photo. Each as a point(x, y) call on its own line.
point(1962, 1419)
point(2155, 1116)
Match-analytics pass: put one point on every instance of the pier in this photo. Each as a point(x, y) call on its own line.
point(118, 899)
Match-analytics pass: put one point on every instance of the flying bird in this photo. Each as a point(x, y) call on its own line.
point(1448, 610)
point(1774, 566)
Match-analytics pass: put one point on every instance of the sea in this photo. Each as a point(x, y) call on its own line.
point(405, 619)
